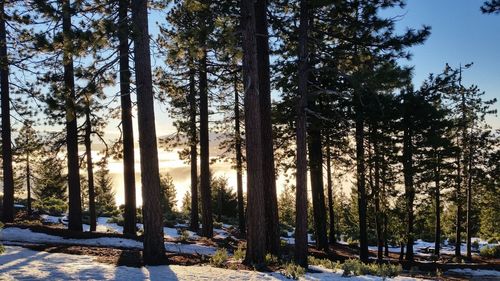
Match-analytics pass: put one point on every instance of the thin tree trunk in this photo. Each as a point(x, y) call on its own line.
point(378, 213)
point(269, 177)
point(193, 151)
point(154, 249)
point(206, 201)
point(316, 175)
point(129, 225)
point(437, 198)
point(361, 180)
point(469, 196)
point(75, 203)
point(8, 175)
point(90, 171)
point(239, 160)
point(28, 183)
point(408, 179)
point(386, 239)
point(331, 236)
point(458, 220)
point(301, 243)
point(256, 230)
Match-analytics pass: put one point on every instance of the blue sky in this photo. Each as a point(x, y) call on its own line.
point(460, 34)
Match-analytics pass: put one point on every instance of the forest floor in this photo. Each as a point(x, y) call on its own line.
point(114, 249)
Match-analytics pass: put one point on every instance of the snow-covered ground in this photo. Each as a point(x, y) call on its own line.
point(420, 247)
point(19, 236)
point(18, 263)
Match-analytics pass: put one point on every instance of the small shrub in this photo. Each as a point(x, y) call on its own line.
point(217, 225)
point(490, 252)
point(219, 259)
point(116, 219)
point(239, 254)
point(51, 206)
point(270, 259)
point(475, 244)
point(184, 235)
point(326, 263)
point(283, 243)
point(492, 240)
point(293, 271)
point(356, 267)
point(352, 243)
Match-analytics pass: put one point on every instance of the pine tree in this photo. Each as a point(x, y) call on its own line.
point(491, 7)
point(104, 195)
point(301, 243)
point(27, 149)
point(8, 174)
point(256, 235)
point(154, 249)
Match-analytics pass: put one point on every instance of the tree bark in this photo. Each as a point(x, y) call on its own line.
point(256, 230)
point(361, 180)
point(28, 183)
point(206, 201)
point(75, 207)
point(193, 151)
point(129, 225)
point(377, 189)
point(269, 178)
point(316, 175)
point(469, 195)
point(8, 175)
point(331, 211)
point(301, 243)
point(458, 198)
point(239, 160)
point(90, 171)
point(408, 178)
point(154, 249)
point(437, 198)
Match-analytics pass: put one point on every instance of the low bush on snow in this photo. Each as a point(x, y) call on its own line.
point(326, 263)
point(239, 254)
point(293, 271)
point(219, 259)
point(356, 267)
point(490, 252)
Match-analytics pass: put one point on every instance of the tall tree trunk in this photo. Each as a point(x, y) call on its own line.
point(469, 195)
point(8, 175)
point(239, 160)
point(386, 234)
point(458, 198)
point(193, 150)
point(28, 183)
point(90, 171)
point(256, 230)
point(408, 179)
point(75, 203)
point(154, 249)
point(316, 175)
point(301, 243)
point(331, 218)
point(206, 201)
point(269, 178)
point(361, 180)
point(129, 225)
point(437, 198)
point(377, 189)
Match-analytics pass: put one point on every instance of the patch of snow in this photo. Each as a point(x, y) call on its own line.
point(472, 272)
point(19, 235)
point(24, 264)
point(14, 234)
